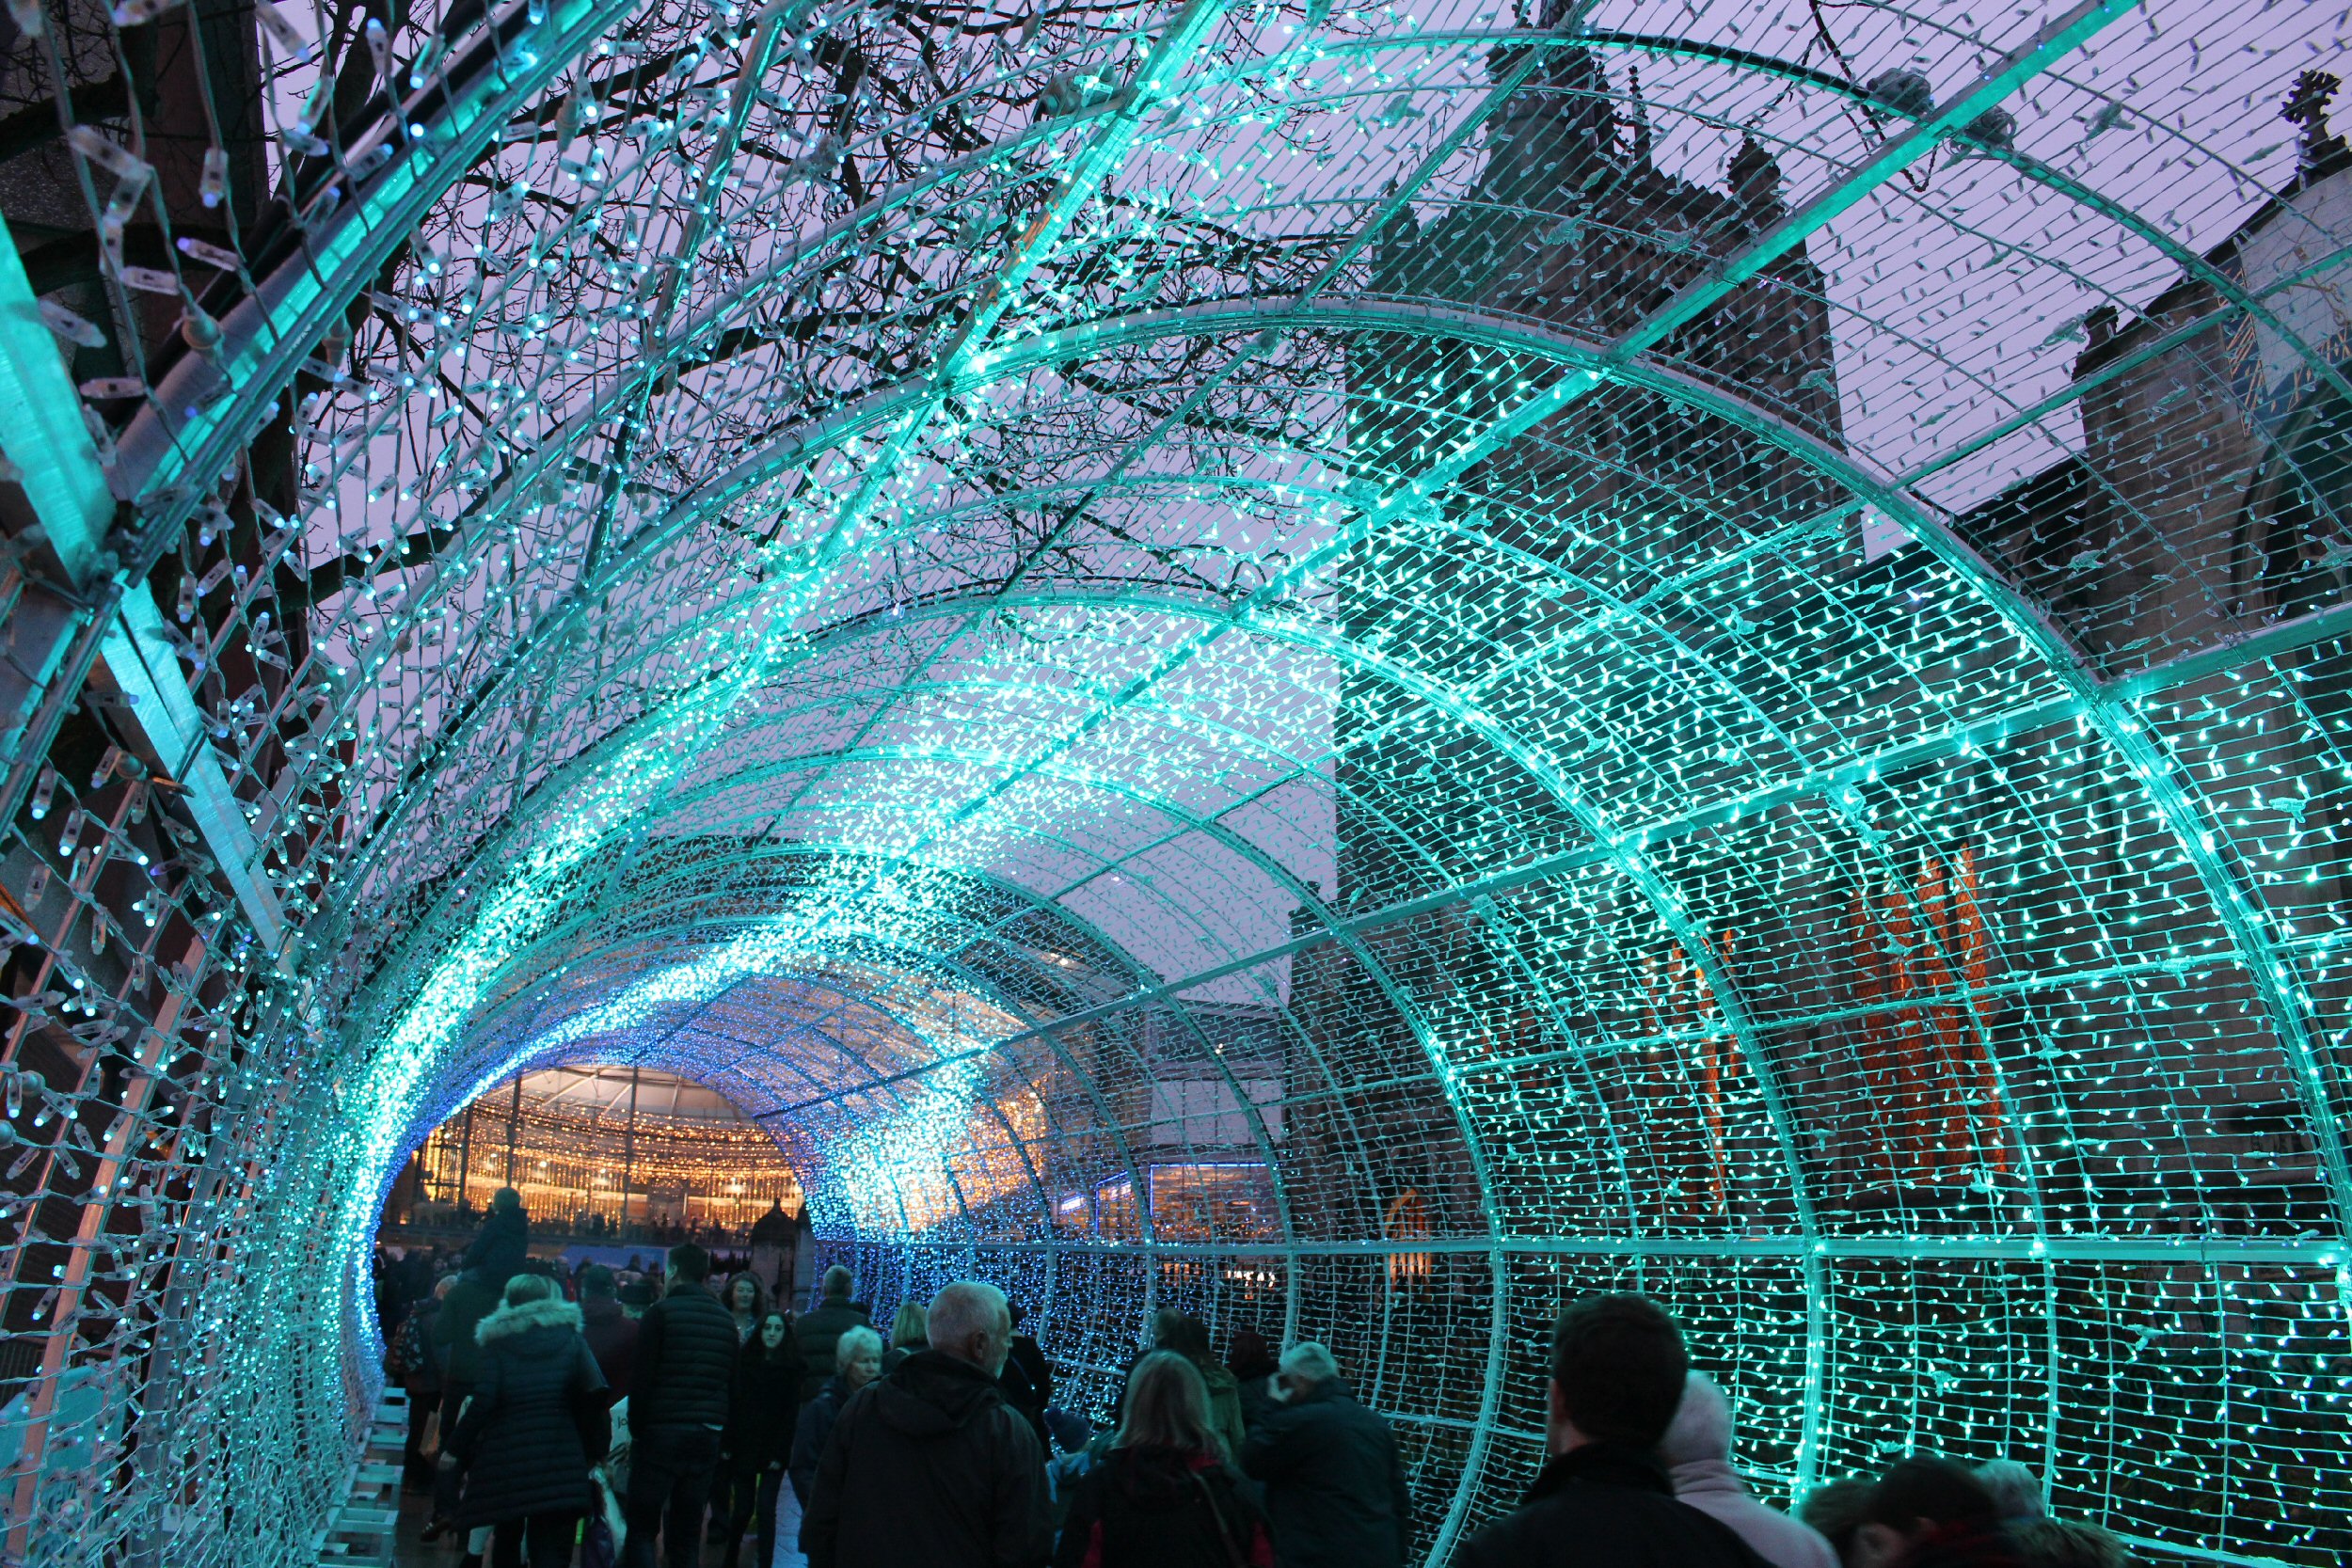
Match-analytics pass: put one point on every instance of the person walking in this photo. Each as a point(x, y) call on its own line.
point(1696, 1452)
point(681, 1387)
point(747, 1303)
point(758, 1440)
point(819, 1327)
point(930, 1467)
point(857, 1359)
point(1029, 1381)
point(536, 1422)
point(1165, 1494)
point(910, 1331)
point(1604, 1500)
point(1188, 1336)
point(1335, 1489)
point(452, 1336)
point(416, 1361)
point(611, 1332)
point(503, 1241)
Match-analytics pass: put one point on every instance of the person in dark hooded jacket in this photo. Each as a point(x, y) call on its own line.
point(1334, 1485)
point(534, 1425)
point(930, 1467)
point(1164, 1496)
point(503, 1241)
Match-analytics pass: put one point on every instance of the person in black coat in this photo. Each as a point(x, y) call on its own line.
point(1334, 1486)
point(858, 1355)
point(759, 1439)
point(1164, 1495)
point(1029, 1380)
point(822, 1327)
point(930, 1467)
point(534, 1425)
point(1605, 1500)
point(503, 1241)
point(682, 1389)
point(1253, 1368)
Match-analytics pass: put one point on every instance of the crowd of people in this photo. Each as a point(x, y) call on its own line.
point(699, 1411)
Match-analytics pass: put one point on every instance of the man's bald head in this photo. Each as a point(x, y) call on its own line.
point(972, 1321)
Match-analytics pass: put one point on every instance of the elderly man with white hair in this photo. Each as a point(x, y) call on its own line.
point(1696, 1452)
point(1335, 1489)
point(928, 1468)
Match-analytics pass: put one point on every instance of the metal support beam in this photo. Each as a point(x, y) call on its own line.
point(45, 439)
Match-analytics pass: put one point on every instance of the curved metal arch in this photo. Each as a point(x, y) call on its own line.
point(1017, 893)
point(980, 984)
point(1242, 849)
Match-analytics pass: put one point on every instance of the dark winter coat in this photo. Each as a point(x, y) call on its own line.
point(536, 1421)
point(469, 1302)
point(820, 1331)
point(500, 1246)
point(685, 1371)
point(1602, 1506)
point(1257, 1397)
point(1334, 1487)
point(930, 1469)
point(766, 1407)
point(1027, 1380)
point(809, 1434)
point(612, 1335)
point(1156, 1508)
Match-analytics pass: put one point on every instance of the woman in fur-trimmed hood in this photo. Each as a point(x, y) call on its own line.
point(535, 1423)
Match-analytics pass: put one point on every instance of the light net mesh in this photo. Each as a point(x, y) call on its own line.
point(1353, 668)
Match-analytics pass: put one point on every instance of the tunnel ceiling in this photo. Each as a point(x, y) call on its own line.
point(1353, 668)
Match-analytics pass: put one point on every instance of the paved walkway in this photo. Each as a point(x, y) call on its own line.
point(413, 1552)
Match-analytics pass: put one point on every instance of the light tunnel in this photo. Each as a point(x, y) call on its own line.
point(1350, 668)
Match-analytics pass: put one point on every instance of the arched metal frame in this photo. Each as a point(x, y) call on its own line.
point(690, 738)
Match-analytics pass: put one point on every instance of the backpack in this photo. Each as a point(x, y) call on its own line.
point(406, 1355)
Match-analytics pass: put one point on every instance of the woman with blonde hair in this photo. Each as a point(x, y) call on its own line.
point(1166, 1496)
point(910, 1331)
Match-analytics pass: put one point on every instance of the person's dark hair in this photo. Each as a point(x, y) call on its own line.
point(1837, 1509)
point(1619, 1363)
point(1252, 1357)
point(2064, 1543)
point(757, 1346)
point(595, 1280)
point(1177, 1331)
point(506, 1199)
point(637, 1294)
point(690, 1262)
point(836, 1285)
point(1941, 1491)
point(759, 1293)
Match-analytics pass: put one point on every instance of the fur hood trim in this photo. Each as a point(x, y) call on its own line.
point(507, 1321)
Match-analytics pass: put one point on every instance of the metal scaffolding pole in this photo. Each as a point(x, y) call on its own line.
point(514, 1126)
point(629, 1145)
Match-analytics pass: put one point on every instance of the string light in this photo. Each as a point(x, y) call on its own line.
point(1348, 669)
